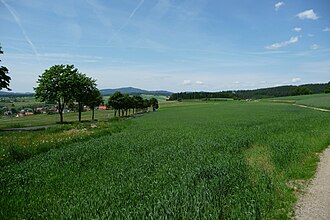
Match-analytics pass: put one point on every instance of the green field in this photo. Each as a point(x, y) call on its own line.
point(45, 119)
point(188, 160)
point(316, 100)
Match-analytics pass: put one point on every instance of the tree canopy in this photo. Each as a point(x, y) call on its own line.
point(4, 76)
point(123, 103)
point(64, 84)
point(57, 84)
point(327, 88)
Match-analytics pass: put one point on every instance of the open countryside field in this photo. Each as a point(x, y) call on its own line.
point(315, 100)
point(218, 160)
point(53, 119)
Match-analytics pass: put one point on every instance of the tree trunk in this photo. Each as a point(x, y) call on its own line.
point(60, 110)
point(79, 110)
point(93, 110)
point(115, 113)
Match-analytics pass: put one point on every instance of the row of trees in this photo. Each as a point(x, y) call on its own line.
point(123, 104)
point(64, 84)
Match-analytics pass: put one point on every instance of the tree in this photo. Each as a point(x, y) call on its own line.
point(115, 102)
point(138, 102)
point(4, 78)
point(93, 99)
point(83, 87)
point(57, 84)
point(154, 104)
point(327, 88)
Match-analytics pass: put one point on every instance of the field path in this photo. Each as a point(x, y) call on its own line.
point(27, 128)
point(315, 203)
point(314, 108)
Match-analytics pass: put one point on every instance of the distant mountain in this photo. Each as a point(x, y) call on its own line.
point(134, 91)
point(104, 92)
point(15, 94)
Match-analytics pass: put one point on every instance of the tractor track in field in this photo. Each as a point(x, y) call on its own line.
point(314, 108)
point(314, 203)
point(36, 128)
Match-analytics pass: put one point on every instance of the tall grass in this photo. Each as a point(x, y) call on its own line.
point(221, 160)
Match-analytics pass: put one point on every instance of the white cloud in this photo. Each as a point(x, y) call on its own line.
point(275, 46)
point(310, 35)
point(295, 80)
point(297, 29)
point(315, 47)
point(278, 5)
point(308, 14)
point(199, 82)
point(186, 82)
point(326, 29)
point(236, 82)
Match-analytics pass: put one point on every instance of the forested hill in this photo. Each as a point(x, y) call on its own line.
point(134, 91)
point(256, 93)
point(15, 94)
point(104, 92)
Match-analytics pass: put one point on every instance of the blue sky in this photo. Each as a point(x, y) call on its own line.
point(188, 45)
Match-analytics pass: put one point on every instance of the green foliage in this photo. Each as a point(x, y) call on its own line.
point(216, 160)
point(57, 84)
point(279, 91)
point(300, 90)
point(327, 88)
point(123, 102)
point(4, 77)
point(84, 90)
point(154, 103)
point(19, 146)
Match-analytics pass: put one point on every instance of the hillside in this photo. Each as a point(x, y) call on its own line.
point(278, 91)
point(15, 94)
point(134, 91)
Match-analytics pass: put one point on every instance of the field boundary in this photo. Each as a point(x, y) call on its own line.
point(35, 128)
point(315, 200)
point(314, 108)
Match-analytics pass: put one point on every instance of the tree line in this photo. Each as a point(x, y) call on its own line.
point(256, 93)
point(123, 104)
point(64, 85)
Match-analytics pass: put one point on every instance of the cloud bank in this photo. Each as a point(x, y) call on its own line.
point(275, 46)
point(308, 14)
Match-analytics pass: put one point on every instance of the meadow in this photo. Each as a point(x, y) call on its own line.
point(188, 160)
point(52, 119)
point(315, 100)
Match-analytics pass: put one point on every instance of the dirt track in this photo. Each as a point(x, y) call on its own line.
point(315, 203)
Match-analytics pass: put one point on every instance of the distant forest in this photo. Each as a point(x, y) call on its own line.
point(256, 93)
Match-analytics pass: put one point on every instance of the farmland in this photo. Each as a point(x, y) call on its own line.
point(315, 100)
point(217, 160)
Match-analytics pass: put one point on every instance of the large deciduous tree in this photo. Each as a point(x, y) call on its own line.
point(83, 87)
point(57, 84)
point(93, 99)
point(115, 102)
point(4, 77)
point(154, 103)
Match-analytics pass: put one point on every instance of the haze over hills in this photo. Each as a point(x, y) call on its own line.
point(253, 93)
point(105, 92)
point(134, 91)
